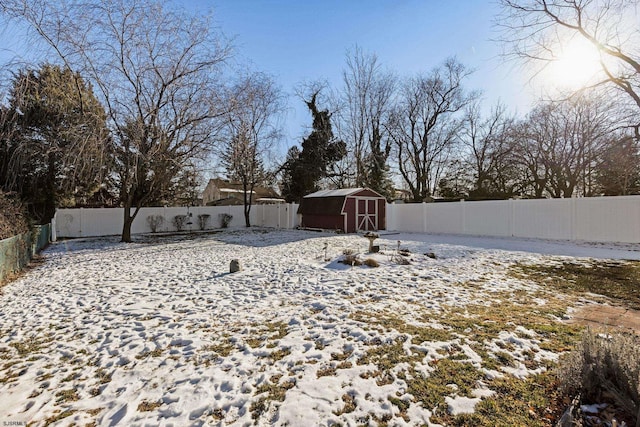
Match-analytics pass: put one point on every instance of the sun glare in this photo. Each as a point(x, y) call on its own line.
point(576, 67)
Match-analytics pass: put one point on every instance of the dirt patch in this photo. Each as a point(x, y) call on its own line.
point(606, 316)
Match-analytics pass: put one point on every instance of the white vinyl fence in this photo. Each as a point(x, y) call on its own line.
point(109, 221)
point(597, 219)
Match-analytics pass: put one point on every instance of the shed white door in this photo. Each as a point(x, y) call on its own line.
point(366, 214)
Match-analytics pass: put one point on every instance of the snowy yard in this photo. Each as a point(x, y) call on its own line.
point(159, 333)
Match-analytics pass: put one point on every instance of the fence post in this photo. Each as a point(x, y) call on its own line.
point(424, 217)
point(574, 218)
point(81, 211)
point(512, 221)
point(54, 236)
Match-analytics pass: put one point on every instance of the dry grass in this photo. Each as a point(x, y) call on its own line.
point(619, 281)
point(147, 406)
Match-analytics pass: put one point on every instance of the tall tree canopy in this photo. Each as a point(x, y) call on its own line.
point(424, 125)
point(304, 168)
point(540, 30)
point(157, 71)
point(251, 131)
point(367, 99)
point(57, 154)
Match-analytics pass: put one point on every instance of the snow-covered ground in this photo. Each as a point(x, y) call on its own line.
point(159, 333)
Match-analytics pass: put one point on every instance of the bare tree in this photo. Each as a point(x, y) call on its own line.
point(157, 71)
point(251, 132)
point(489, 143)
point(424, 125)
point(367, 99)
point(537, 30)
point(560, 144)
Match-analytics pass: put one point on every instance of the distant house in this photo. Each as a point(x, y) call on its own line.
point(222, 192)
point(346, 209)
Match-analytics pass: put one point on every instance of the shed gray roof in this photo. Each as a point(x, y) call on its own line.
point(334, 193)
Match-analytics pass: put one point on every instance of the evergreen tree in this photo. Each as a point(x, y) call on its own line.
point(57, 153)
point(304, 169)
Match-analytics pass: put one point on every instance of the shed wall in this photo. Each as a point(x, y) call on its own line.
point(329, 222)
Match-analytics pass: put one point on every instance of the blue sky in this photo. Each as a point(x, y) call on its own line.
point(297, 41)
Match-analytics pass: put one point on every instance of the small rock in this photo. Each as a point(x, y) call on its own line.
point(431, 255)
point(235, 266)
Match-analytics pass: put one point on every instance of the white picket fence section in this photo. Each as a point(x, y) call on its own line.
point(597, 219)
point(109, 221)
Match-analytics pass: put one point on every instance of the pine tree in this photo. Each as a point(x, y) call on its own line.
point(58, 152)
point(304, 168)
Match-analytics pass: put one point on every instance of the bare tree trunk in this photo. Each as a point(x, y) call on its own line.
point(126, 227)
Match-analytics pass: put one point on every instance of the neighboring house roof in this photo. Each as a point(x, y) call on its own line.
point(233, 190)
point(226, 186)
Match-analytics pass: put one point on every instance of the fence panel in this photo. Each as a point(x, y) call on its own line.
point(17, 251)
point(445, 217)
point(543, 218)
point(614, 219)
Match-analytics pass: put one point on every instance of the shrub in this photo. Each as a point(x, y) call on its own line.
point(604, 365)
point(203, 219)
point(370, 262)
point(179, 222)
point(350, 258)
point(225, 220)
point(13, 216)
point(155, 222)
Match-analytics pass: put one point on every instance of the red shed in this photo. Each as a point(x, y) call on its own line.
point(347, 209)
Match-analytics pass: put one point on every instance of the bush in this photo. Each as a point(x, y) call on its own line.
point(155, 222)
point(179, 222)
point(225, 220)
point(350, 258)
point(604, 365)
point(370, 262)
point(203, 219)
point(13, 216)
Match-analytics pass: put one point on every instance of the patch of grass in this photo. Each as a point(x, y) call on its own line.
point(530, 402)
point(223, 349)
point(274, 392)
point(387, 322)
point(103, 376)
point(344, 365)
point(402, 405)
point(387, 356)
point(28, 346)
point(58, 416)
point(326, 371)
point(349, 405)
point(279, 354)
point(95, 411)
point(504, 358)
point(619, 281)
point(68, 395)
point(341, 356)
point(432, 389)
point(148, 406)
